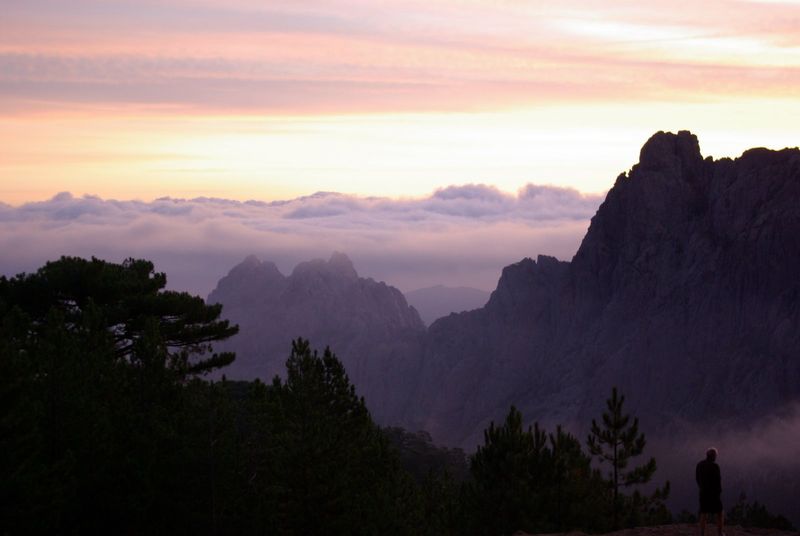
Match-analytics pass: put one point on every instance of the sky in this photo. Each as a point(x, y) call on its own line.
point(137, 100)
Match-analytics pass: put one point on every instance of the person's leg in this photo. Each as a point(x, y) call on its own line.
point(702, 524)
point(720, 522)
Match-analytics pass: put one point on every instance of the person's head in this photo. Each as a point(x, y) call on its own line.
point(711, 454)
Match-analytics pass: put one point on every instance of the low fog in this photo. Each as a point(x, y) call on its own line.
point(460, 235)
point(758, 459)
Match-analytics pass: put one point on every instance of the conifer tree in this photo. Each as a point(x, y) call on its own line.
point(616, 442)
point(129, 303)
point(94, 357)
point(333, 470)
point(509, 473)
point(574, 486)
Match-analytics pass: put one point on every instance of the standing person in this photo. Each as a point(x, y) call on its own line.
point(710, 483)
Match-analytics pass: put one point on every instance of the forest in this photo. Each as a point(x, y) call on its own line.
point(109, 425)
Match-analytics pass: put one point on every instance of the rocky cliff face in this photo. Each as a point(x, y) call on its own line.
point(367, 324)
point(685, 293)
point(694, 268)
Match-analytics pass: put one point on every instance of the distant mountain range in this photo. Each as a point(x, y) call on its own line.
point(685, 293)
point(438, 301)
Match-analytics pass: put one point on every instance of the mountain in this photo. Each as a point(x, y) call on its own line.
point(439, 300)
point(368, 324)
point(685, 293)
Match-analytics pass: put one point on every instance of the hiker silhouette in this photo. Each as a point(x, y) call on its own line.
point(708, 479)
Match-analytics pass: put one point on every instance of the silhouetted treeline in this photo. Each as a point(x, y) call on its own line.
point(755, 514)
point(107, 427)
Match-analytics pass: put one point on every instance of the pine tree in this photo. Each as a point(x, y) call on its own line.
point(510, 477)
point(574, 486)
point(616, 442)
point(94, 357)
point(333, 471)
point(129, 302)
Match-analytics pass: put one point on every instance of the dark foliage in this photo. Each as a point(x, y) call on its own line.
point(755, 514)
point(330, 469)
point(93, 356)
point(420, 457)
point(574, 488)
point(508, 477)
point(525, 479)
point(128, 304)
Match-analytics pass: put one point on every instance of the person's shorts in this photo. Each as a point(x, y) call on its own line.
point(710, 503)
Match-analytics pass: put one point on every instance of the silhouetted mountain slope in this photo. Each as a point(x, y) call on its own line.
point(367, 324)
point(439, 300)
point(685, 293)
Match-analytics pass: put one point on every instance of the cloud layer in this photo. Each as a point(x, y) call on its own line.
point(460, 235)
point(351, 55)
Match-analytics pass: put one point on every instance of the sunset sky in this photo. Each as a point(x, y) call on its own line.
point(459, 136)
point(252, 99)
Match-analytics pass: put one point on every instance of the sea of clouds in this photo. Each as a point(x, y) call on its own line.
point(459, 235)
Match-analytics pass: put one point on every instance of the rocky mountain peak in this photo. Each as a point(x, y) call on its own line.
point(640, 230)
point(339, 266)
point(249, 262)
point(528, 284)
point(252, 266)
point(678, 154)
point(249, 280)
